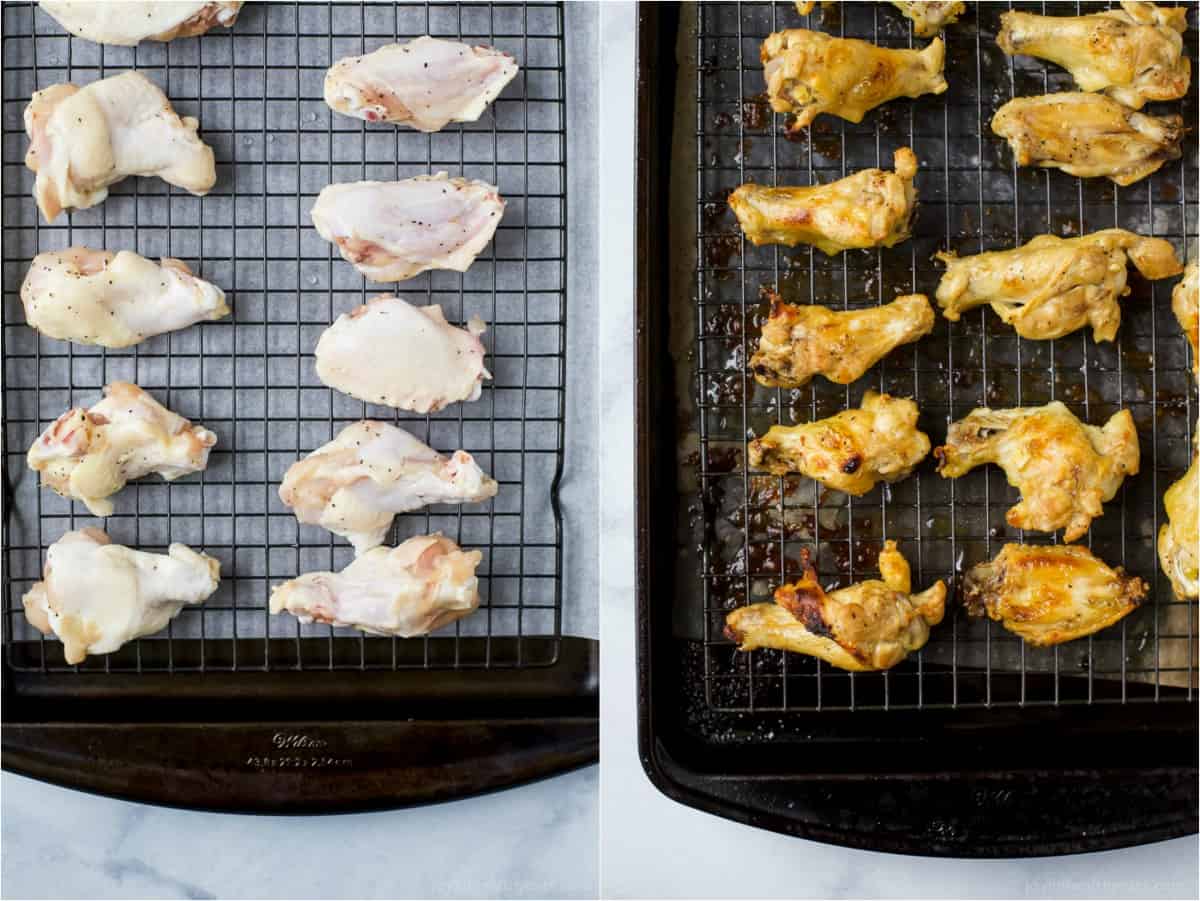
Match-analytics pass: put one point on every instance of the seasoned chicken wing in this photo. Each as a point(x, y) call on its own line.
point(1048, 594)
point(126, 24)
point(423, 584)
point(809, 73)
point(1133, 54)
point(95, 595)
point(424, 84)
point(929, 18)
point(1064, 469)
point(90, 454)
point(81, 140)
point(392, 231)
point(354, 485)
point(1088, 135)
point(1179, 537)
point(851, 451)
point(871, 625)
point(799, 342)
point(1052, 286)
point(871, 208)
point(390, 352)
point(114, 300)
point(1185, 302)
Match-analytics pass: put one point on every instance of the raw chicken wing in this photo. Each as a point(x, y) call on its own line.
point(1179, 537)
point(1185, 302)
point(930, 17)
point(126, 24)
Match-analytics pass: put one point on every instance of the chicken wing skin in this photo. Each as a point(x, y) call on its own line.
point(423, 584)
point(89, 455)
point(870, 625)
point(1052, 286)
point(423, 84)
point(126, 24)
point(81, 140)
point(390, 352)
point(95, 595)
point(1185, 303)
point(114, 300)
point(809, 73)
point(929, 18)
point(851, 451)
point(871, 208)
point(1049, 594)
point(1133, 54)
point(392, 231)
point(1088, 135)
point(799, 342)
point(356, 484)
point(1179, 537)
point(1064, 468)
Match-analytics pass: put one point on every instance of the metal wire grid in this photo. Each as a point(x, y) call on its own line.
point(257, 92)
point(972, 198)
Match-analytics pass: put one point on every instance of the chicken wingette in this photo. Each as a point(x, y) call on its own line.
point(1185, 302)
point(931, 16)
point(1179, 537)
point(799, 342)
point(1048, 594)
point(1052, 286)
point(870, 625)
point(1133, 54)
point(809, 73)
point(871, 208)
point(1064, 469)
point(1088, 135)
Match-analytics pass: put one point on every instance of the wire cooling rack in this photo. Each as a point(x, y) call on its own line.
point(257, 92)
point(748, 528)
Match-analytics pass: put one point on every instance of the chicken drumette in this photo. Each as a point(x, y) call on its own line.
point(1185, 302)
point(126, 24)
point(1179, 537)
point(931, 16)
point(871, 208)
point(1064, 469)
point(870, 625)
point(1052, 286)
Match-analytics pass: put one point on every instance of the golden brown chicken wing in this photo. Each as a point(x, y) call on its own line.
point(1049, 594)
point(871, 625)
point(1088, 135)
point(809, 73)
point(799, 342)
point(1064, 469)
point(1052, 286)
point(871, 208)
point(1133, 54)
point(1179, 538)
point(1185, 302)
point(851, 451)
point(930, 17)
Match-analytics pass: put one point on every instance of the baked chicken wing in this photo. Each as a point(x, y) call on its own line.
point(1133, 54)
point(799, 342)
point(809, 73)
point(90, 454)
point(929, 18)
point(1185, 302)
point(1048, 594)
point(870, 625)
point(81, 140)
point(1052, 286)
point(126, 24)
point(95, 595)
point(424, 84)
point(114, 299)
point(392, 231)
point(1064, 469)
point(1179, 537)
point(390, 352)
point(423, 584)
point(871, 208)
point(354, 485)
point(1088, 135)
point(851, 451)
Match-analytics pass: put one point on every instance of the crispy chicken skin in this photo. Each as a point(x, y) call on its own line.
point(126, 24)
point(1185, 302)
point(870, 625)
point(1049, 594)
point(1064, 469)
point(1052, 286)
point(851, 451)
point(1088, 135)
point(871, 208)
point(1179, 537)
point(423, 584)
point(929, 18)
point(799, 342)
point(809, 73)
point(95, 595)
point(1133, 54)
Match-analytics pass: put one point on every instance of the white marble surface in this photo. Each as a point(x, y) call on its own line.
point(652, 847)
